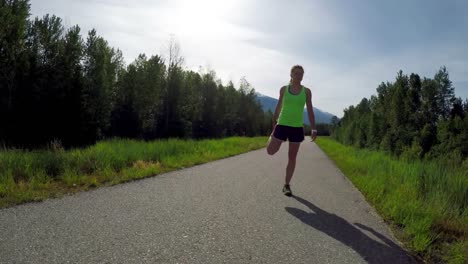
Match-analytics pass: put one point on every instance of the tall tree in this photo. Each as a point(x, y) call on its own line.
point(72, 88)
point(13, 18)
point(100, 70)
point(171, 124)
point(445, 92)
point(40, 92)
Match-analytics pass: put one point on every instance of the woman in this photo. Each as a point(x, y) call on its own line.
point(288, 125)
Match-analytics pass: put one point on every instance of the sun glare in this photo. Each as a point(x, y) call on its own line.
point(203, 17)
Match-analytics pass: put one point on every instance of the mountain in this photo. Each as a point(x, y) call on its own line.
point(269, 103)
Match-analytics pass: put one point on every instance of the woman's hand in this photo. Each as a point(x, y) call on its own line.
point(313, 134)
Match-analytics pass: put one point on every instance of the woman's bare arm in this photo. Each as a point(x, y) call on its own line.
point(278, 107)
point(310, 113)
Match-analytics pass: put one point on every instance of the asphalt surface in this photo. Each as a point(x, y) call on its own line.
point(227, 211)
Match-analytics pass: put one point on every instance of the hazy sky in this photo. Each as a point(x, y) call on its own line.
point(346, 47)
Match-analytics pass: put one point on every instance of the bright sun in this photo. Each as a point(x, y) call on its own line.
point(203, 17)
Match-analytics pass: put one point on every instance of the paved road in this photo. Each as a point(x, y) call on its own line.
point(227, 211)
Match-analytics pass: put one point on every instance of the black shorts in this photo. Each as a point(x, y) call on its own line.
point(293, 134)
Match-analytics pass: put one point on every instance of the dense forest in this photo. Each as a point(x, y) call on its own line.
point(56, 86)
point(411, 117)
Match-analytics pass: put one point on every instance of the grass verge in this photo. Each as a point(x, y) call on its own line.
point(425, 201)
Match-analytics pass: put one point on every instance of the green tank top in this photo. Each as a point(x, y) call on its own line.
point(292, 108)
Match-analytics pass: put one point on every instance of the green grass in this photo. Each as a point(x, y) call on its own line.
point(425, 201)
point(37, 175)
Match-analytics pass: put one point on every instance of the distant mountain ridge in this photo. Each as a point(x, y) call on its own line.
point(269, 103)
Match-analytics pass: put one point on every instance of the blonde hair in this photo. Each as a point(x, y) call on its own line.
point(296, 67)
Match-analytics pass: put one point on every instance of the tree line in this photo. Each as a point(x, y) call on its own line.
point(57, 86)
point(414, 117)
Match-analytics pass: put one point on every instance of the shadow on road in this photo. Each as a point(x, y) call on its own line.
point(372, 251)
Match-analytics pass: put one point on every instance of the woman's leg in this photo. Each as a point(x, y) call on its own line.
point(273, 145)
point(277, 137)
point(292, 154)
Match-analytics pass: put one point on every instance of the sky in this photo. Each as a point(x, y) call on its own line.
point(347, 48)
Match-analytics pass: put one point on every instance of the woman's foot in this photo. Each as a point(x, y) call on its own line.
point(287, 190)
